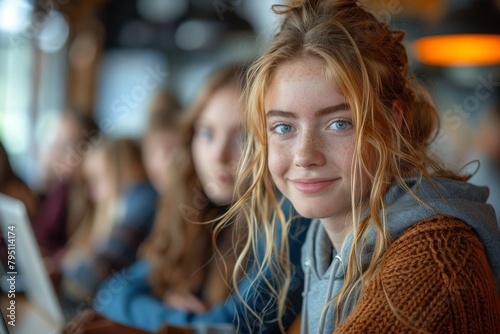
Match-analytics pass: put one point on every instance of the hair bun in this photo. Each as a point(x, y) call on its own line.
point(300, 3)
point(314, 4)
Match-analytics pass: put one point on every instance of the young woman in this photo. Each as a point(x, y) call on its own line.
point(338, 125)
point(198, 189)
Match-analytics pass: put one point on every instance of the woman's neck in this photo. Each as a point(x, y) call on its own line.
point(337, 229)
point(339, 226)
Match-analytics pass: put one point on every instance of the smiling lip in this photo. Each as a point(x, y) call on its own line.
point(312, 185)
point(223, 178)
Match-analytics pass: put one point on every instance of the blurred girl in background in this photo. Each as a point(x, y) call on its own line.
point(119, 219)
point(181, 275)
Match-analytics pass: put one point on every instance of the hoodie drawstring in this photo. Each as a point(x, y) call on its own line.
point(331, 280)
point(303, 321)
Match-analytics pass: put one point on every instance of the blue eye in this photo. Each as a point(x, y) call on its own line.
point(283, 129)
point(242, 137)
point(340, 125)
point(205, 133)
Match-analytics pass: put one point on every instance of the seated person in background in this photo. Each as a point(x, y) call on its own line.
point(161, 137)
point(13, 186)
point(64, 203)
point(119, 218)
point(181, 270)
point(182, 281)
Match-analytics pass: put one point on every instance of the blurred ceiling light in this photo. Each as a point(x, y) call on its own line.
point(14, 15)
point(204, 30)
point(467, 36)
point(54, 33)
point(162, 10)
point(459, 50)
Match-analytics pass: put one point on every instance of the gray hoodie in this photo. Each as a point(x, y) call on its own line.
point(324, 267)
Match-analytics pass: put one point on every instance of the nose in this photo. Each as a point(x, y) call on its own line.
point(308, 152)
point(223, 150)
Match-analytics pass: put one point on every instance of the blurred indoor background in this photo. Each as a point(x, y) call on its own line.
point(108, 57)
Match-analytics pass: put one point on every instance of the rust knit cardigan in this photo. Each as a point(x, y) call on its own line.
point(435, 278)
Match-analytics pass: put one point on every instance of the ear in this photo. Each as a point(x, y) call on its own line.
point(397, 112)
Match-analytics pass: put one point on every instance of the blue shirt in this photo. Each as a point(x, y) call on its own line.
point(119, 250)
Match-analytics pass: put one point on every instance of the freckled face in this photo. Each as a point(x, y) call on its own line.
point(217, 146)
point(311, 140)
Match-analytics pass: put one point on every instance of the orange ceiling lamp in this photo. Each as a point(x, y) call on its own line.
point(467, 36)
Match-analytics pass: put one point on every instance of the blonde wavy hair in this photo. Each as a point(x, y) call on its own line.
point(393, 116)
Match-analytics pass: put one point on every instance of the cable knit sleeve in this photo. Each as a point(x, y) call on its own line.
point(435, 278)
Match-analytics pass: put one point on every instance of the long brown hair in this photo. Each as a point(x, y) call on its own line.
point(179, 249)
point(393, 116)
point(164, 111)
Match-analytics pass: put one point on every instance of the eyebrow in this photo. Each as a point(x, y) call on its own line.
point(319, 113)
